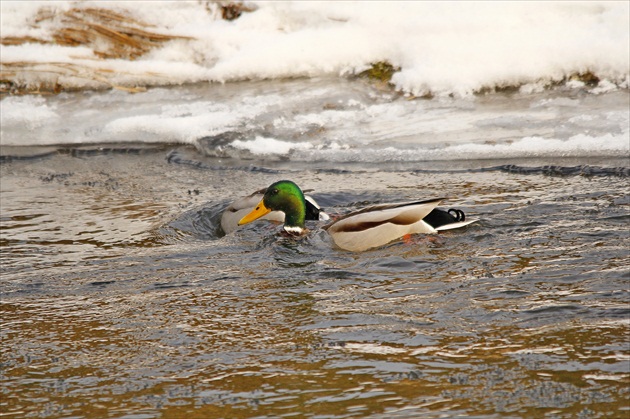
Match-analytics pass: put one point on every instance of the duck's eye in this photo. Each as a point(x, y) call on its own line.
point(274, 191)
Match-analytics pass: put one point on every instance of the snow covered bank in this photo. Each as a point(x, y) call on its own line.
point(440, 47)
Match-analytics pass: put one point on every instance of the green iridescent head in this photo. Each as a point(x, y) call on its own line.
point(284, 196)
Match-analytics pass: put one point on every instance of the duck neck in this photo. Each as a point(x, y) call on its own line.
point(295, 214)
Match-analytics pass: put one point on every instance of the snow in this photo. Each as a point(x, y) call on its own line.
point(442, 48)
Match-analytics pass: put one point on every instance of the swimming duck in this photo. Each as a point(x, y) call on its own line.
point(363, 229)
point(242, 206)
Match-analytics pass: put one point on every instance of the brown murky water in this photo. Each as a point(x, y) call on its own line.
point(121, 299)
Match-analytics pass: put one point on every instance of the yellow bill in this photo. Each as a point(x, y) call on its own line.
point(260, 211)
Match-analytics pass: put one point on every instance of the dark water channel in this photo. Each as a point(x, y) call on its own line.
point(121, 299)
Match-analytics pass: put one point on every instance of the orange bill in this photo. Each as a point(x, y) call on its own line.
point(258, 212)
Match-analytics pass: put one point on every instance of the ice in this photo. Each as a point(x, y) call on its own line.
point(27, 111)
point(330, 120)
point(263, 146)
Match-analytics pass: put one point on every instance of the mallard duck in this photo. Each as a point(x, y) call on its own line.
point(360, 230)
point(242, 206)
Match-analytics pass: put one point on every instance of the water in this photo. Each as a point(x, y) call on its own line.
point(121, 297)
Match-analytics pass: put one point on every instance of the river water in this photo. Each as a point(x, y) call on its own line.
point(122, 298)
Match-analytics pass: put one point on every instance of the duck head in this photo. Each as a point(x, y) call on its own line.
point(284, 196)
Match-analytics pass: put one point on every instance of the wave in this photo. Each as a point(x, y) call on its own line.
point(270, 149)
point(579, 145)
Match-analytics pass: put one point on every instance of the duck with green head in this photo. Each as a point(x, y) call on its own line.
point(360, 230)
point(284, 196)
point(242, 206)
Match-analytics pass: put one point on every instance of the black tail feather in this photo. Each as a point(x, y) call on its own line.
point(438, 217)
